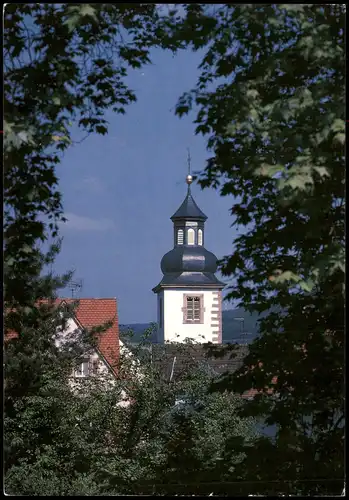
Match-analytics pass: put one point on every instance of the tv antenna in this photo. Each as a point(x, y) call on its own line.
point(243, 333)
point(74, 287)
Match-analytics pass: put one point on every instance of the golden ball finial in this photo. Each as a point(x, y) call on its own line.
point(189, 179)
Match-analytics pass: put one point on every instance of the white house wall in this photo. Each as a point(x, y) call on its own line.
point(177, 331)
point(102, 370)
point(71, 327)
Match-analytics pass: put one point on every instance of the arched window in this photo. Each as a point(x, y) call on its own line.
point(180, 237)
point(191, 237)
point(200, 237)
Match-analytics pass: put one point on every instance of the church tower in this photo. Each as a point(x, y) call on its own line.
point(189, 295)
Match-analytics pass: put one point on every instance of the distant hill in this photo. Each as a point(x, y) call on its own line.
point(231, 327)
point(138, 330)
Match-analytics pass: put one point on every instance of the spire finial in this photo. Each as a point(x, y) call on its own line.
point(189, 178)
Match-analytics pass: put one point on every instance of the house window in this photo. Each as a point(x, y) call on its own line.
point(161, 316)
point(191, 236)
point(82, 369)
point(180, 237)
point(193, 310)
point(94, 367)
point(200, 237)
point(181, 400)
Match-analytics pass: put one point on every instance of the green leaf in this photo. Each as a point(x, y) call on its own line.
point(252, 93)
point(77, 13)
point(299, 181)
point(270, 170)
point(87, 10)
point(307, 286)
point(340, 138)
point(72, 22)
point(287, 276)
point(338, 125)
point(253, 114)
point(27, 249)
point(101, 129)
point(61, 138)
point(322, 171)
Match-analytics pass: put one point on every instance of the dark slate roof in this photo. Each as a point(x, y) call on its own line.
point(185, 279)
point(189, 258)
point(173, 359)
point(189, 210)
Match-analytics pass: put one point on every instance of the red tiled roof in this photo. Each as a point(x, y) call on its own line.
point(94, 312)
point(10, 335)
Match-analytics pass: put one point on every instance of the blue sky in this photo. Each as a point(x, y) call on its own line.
point(120, 190)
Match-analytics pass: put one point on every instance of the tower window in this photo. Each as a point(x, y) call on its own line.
point(193, 310)
point(191, 236)
point(200, 237)
point(180, 237)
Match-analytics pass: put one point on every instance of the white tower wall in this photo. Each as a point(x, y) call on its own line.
point(173, 327)
point(160, 316)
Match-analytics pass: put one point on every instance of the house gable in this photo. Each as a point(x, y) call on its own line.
point(92, 313)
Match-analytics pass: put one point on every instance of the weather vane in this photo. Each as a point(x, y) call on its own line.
point(189, 178)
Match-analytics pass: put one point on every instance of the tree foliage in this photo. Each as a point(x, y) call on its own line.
point(65, 65)
point(270, 99)
point(64, 439)
point(49, 444)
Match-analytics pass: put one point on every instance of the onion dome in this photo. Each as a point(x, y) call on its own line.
point(186, 258)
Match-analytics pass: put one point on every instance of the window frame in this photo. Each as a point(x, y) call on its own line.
point(200, 237)
point(191, 231)
point(94, 367)
point(194, 321)
point(80, 370)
